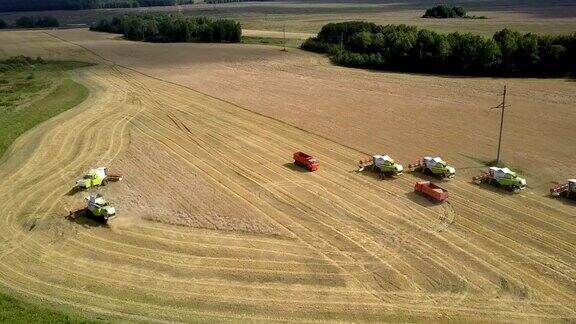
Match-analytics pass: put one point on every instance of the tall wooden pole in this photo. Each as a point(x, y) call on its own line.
point(284, 39)
point(503, 107)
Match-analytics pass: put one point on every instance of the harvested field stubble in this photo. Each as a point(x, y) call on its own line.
point(259, 239)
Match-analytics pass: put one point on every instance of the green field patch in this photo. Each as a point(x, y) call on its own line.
point(32, 92)
point(13, 310)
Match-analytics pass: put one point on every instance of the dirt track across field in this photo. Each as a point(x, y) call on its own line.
point(215, 222)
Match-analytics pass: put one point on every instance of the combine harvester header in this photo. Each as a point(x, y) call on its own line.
point(567, 190)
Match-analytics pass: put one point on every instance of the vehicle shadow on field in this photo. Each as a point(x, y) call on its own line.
point(74, 190)
point(564, 200)
point(372, 175)
point(296, 168)
point(424, 177)
point(497, 190)
point(79, 217)
point(421, 199)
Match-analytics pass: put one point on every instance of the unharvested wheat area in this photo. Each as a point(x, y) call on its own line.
point(215, 223)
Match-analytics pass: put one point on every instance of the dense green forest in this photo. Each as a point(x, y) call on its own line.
point(32, 22)
point(161, 27)
point(40, 5)
point(407, 48)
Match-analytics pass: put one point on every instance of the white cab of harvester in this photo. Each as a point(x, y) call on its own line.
point(503, 173)
point(433, 162)
point(382, 159)
point(572, 185)
point(99, 206)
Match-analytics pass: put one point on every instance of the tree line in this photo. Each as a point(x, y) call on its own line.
point(444, 11)
point(36, 22)
point(162, 27)
point(407, 48)
point(231, 1)
point(42, 5)
point(106, 4)
point(32, 22)
point(19, 62)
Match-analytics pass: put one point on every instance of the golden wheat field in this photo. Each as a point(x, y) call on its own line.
point(215, 223)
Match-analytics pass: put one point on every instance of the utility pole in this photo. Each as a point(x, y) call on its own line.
point(503, 107)
point(341, 42)
point(284, 39)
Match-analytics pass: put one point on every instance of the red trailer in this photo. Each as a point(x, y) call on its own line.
point(431, 190)
point(306, 161)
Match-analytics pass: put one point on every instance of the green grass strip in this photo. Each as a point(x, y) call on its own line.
point(13, 310)
point(15, 123)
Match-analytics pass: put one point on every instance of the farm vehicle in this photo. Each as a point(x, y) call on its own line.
point(433, 167)
point(381, 164)
point(567, 190)
point(96, 207)
point(307, 161)
point(431, 191)
point(96, 177)
point(501, 177)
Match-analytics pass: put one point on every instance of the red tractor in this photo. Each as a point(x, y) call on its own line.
point(307, 161)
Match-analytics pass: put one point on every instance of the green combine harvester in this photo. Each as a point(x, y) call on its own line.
point(97, 208)
point(501, 177)
point(433, 167)
point(381, 164)
point(97, 177)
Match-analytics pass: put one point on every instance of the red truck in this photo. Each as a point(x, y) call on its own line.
point(306, 161)
point(431, 190)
